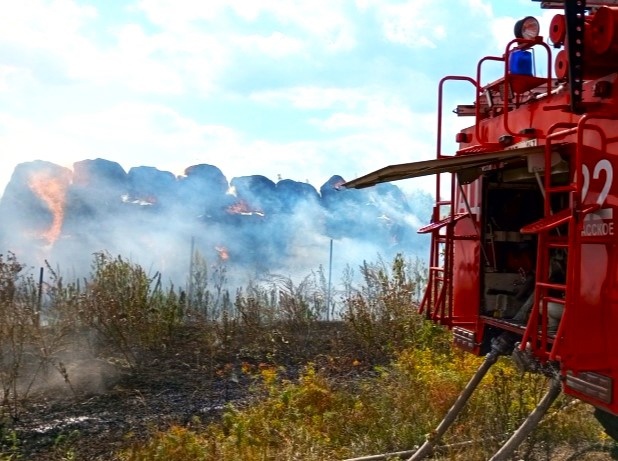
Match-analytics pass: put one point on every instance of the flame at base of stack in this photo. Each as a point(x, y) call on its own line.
point(52, 190)
point(241, 207)
point(223, 253)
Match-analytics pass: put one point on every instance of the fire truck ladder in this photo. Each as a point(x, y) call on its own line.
point(434, 299)
point(436, 303)
point(536, 338)
point(539, 339)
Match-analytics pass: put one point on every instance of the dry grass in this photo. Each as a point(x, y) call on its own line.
point(377, 381)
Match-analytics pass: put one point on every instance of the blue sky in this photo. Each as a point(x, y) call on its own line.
point(297, 89)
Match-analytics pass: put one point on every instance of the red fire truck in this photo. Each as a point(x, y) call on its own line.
point(524, 253)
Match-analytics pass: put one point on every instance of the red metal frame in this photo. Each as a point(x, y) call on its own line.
point(453, 293)
point(536, 126)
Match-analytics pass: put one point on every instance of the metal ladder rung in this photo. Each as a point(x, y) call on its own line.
point(568, 188)
point(552, 299)
point(558, 244)
point(552, 286)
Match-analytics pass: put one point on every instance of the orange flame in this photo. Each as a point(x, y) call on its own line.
point(52, 191)
point(223, 254)
point(241, 207)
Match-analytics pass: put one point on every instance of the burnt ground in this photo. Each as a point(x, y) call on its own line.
point(95, 426)
point(105, 406)
point(114, 407)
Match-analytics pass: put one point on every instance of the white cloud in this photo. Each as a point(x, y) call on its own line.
point(415, 23)
point(323, 20)
point(479, 7)
point(48, 25)
point(378, 114)
point(320, 21)
point(276, 45)
point(24, 140)
point(65, 38)
point(175, 15)
point(46, 39)
point(311, 97)
point(149, 134)
point(130, 63)
point(149, 69)
point(14, 78)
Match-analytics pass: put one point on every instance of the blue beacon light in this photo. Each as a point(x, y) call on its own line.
point(520, 62)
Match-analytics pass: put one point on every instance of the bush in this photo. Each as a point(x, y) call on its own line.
point(384, 408)
point(18, 324)
point(383, 313)
point(127, 308)
point(385, 372)
point(317, 418)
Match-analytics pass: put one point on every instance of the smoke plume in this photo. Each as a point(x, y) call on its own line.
point(251, 224)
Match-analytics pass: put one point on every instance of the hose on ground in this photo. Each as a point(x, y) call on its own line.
point(530, 423)
point(406, 453)
point(433, 438)
point(401, 454)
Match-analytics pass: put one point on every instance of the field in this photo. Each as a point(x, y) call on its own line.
point(119, 367)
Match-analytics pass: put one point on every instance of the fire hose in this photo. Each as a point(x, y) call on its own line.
point(506, 451)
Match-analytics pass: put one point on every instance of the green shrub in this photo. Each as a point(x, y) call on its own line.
point(385, 380)
point(383, 313)
point(317, 418)
point(131, 311)
point(18, 324)
point(388, 408)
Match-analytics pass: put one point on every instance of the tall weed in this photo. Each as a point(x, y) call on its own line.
point(382, 312)
point(129, 310)
point(385, 408)
point(18, 323)
point(318, 418)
